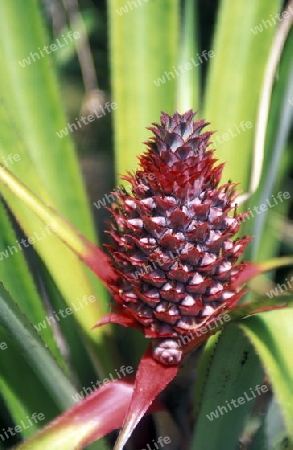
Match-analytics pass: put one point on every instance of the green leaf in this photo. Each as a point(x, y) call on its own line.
point(276, 164)
point(235, 80)
point(233, 372)
point(22, 389)
point(189, 74)
point(47, 163)
point(19, 282)
point(271, 434)
point(148, 50)
point(31, 93)
point(272, 334)
point(27, 339)
point(80, 356)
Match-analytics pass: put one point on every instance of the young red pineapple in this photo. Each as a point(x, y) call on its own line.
point(173, 248)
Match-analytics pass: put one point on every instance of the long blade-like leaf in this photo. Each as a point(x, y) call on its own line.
point(235, 79)
point(272, 334)
point(13, 320)
point(149, 30)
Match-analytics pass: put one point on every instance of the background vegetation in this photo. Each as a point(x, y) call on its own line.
point(118, 59)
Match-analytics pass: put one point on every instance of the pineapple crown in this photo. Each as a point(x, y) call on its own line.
point(173, 249)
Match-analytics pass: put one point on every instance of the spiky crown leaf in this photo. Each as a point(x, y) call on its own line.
point(173, 248)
